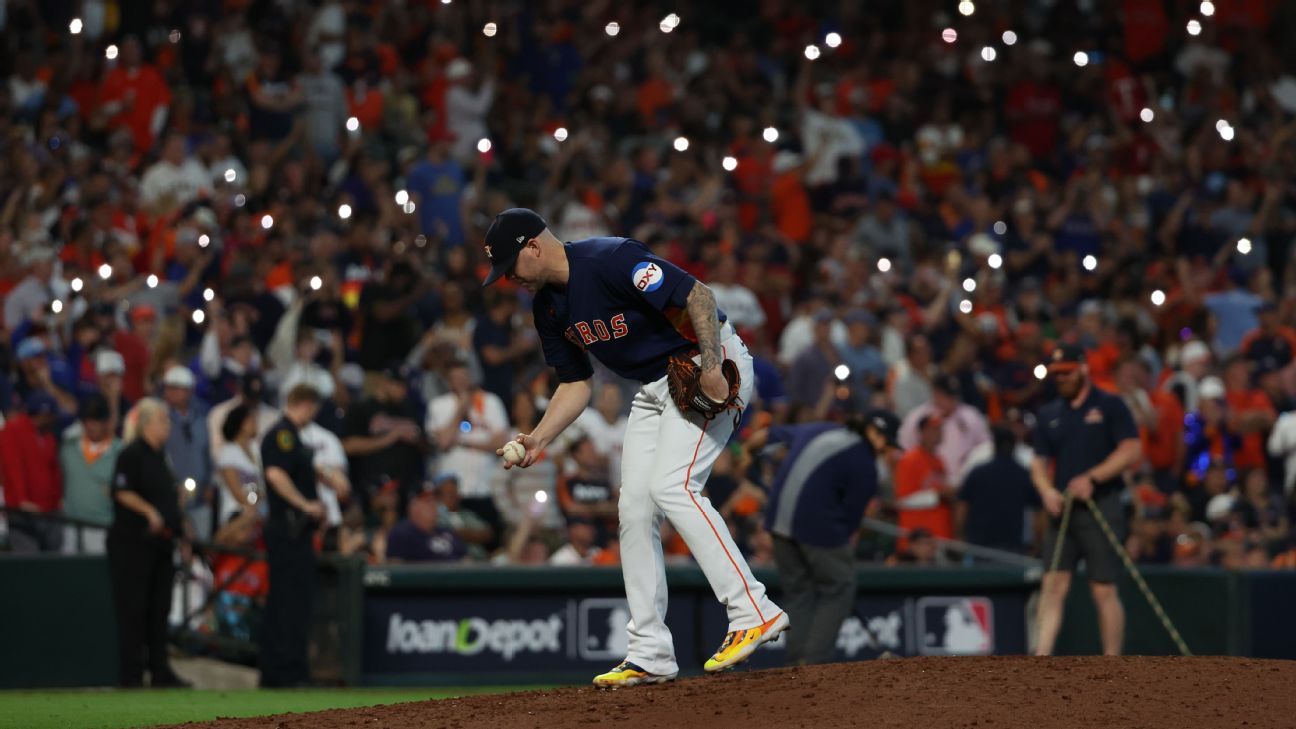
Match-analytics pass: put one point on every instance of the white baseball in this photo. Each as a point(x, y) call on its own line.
point(514, 452)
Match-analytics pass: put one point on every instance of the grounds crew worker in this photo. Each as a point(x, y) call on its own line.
point(295, 515)
point(1090, 439)
point(141, 542)
point(821, 489)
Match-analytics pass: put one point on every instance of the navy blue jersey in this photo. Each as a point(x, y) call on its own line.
point(823, 485)
point(622, 304)
point(1080, 437)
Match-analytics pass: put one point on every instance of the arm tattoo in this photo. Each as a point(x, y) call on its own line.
point(706, 325)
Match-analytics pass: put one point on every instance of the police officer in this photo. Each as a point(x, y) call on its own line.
point(821, 489)
point(295, 515)
point(146, 521)
point(1089, 439)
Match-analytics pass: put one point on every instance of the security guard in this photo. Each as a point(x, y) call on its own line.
point(821, 489)
point(141, 541)
point(1089, 438)
point(295, 515)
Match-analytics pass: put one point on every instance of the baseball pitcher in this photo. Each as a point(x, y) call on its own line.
point(646, 320)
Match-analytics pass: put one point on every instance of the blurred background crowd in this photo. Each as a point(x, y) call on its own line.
point(902, 203)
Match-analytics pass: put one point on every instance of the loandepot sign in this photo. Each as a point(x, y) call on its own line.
point(471, 636)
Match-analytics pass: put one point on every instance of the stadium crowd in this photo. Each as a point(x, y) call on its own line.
point(905, 206)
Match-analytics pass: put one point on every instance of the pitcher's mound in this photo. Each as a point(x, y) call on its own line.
point(913, 693)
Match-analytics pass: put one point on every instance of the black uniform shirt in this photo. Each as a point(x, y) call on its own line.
point(283, 447)
point(145, 470)
point(1079, 438)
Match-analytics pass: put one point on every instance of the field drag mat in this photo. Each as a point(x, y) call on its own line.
point(1010, 692)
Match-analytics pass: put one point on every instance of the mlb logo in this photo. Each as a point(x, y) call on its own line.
point(601, 629)
point(955, 626)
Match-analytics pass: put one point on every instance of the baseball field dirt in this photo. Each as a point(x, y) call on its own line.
point(910, 693)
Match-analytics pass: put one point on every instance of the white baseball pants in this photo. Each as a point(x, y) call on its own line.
point(665, 462)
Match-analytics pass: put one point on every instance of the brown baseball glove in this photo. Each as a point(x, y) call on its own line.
point(684, 376)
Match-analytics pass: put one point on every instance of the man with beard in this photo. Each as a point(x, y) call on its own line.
point(1090, 439)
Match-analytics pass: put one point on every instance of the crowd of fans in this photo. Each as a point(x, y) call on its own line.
point(896, 203)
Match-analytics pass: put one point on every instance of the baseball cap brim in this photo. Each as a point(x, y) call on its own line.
point(499, 270)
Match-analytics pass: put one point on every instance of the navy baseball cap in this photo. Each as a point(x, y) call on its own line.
point(887, 424)
point(506, 237)
point(1065, 358)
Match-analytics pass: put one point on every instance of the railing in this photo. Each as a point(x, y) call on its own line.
point(197, 629)
point(80, 525)
point(997, 556)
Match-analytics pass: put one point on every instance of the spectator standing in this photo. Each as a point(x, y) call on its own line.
point(136, 96)
point(305, 367)
point(133, 348)
point(421, 538)
point(604, 425)
point(324, 110)
point(189, 448)
point(468, 101)
point(586, 491)
point(995, 498)
point(813, 367)
point(1272, 344)
point(1234, 310)
point(388, 329)
point(910, 380)
point(146, 522)
point(922, 485)
point(295, 515)
point(32, 483)
point(175, 180)
point(1033, 108)
point(500, 346)
point(330, 461)
point(868, 370)
point(251, 394)
point(33, 293)
point(273, 98)
point(87, 459)
point(35, 374)
point(1160, 419)
point(436, 185)
point(1086, 439)
point(800, 333)
point(517, 490)
point(1020, 425)
point(1251, 413)
point(1282, 444)
point(383, 439)
point(468, 423)
point(735, 300)
point(1209, 437)
point(1194, 365)
point(238, 467)
point(820, 492)
point(110, 377)
point(965, 427)
point(885, 231)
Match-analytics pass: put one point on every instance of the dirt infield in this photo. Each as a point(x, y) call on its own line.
point(911, 693)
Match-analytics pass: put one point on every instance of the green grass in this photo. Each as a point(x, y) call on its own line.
point(109, 709)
